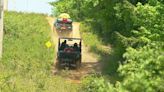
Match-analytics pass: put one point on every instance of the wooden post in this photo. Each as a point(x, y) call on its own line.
point(5, 4)
point(1, 27)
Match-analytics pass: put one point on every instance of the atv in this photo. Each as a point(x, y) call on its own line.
point(69, 53)
point(63, 24)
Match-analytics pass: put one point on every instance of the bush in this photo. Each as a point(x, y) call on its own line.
point(143, 69)
point(94, 83)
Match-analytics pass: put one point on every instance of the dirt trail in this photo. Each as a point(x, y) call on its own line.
point(90, 62)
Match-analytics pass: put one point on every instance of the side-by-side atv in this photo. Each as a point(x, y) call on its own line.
point(69, 52)
point(63, 24)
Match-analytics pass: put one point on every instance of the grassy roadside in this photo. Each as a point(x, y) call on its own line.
point(107, 54)
point(26, 64)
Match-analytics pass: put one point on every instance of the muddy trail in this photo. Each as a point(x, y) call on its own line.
point(90, 63)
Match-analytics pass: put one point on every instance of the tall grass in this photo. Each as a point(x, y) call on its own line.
point(27, 64)
point(107, 54)
point(90, 39)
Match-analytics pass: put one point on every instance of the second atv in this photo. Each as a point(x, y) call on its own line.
point(63, 23)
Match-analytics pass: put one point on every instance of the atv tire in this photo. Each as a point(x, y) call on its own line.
point(78, 65)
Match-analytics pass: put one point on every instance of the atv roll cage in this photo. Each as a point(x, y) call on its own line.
point(69, 52)
point(70, 42)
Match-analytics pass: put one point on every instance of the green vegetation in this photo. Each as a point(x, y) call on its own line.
point(133, 28)
point(27, 64)
point(106, 55)
point(136, 31)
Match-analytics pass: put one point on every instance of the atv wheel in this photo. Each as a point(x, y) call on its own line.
point(78, 64)
point(58, 65)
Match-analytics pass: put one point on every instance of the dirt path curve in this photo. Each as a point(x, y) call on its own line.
point(90, 62)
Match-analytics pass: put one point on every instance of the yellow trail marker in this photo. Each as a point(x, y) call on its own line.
point(48, 44)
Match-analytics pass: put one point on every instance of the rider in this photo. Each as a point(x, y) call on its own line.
point(75, 47)
point(63, 45)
